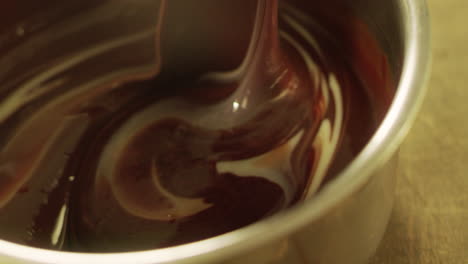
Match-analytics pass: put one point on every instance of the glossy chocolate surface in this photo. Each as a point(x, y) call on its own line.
point(224, 128)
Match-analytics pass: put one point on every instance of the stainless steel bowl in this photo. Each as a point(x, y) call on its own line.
point(345, 222)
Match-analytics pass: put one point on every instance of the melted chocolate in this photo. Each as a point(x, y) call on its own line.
point(216, 139)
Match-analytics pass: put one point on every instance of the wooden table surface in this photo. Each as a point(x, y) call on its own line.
point(430, 219)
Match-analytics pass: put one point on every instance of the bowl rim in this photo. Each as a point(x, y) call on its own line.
point(384, 143)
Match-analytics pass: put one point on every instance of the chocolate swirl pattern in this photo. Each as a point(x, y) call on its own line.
point(178, 131)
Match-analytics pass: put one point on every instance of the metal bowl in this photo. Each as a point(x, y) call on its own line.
point(345, 222)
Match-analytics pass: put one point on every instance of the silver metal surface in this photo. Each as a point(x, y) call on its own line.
point(346, 221)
